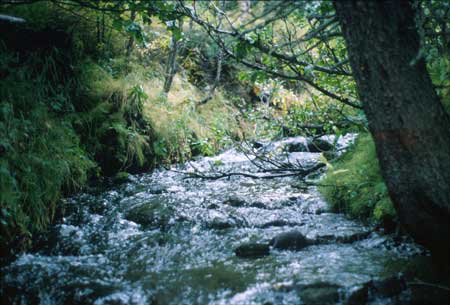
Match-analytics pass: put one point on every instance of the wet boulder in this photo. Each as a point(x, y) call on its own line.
point(388, 287)
point(153, 214)
point(220, 221)
point(319, 145)
point(319, 293)
point(252, 250)
point(258, 144)
point(292, 240)
point(277, 223)
point(357, 295)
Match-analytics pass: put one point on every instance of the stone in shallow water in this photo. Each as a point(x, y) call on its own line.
point(220, 224)
point(150, 214)
point(319, 293)
point(292, 240)
point(258, 205)
point(235, 201)
point(252, 250)
point(222, 221)
point(319, 145)
point(279, 223)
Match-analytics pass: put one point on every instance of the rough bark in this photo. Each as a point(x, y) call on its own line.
point(406, 118)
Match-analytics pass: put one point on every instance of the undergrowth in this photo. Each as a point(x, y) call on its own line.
point(353, 184)
point(40, 153)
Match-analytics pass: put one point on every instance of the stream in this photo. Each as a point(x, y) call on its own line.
point(164, 238)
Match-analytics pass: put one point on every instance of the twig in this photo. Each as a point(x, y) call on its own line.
point(418, 282)
point(303, 173)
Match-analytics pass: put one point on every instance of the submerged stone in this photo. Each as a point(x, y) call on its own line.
point(252, 250)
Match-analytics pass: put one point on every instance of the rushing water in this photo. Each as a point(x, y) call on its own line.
point(163, 238)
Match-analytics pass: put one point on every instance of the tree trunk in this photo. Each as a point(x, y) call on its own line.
point(407, 121)
point(130, 42)
point(216, 78)
point(171, 67)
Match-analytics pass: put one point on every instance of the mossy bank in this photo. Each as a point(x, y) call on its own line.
point(354, 185)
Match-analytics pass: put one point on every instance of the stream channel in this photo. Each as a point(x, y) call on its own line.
point(165, 238)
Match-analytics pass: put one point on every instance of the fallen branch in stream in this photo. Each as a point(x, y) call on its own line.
point(220, 175)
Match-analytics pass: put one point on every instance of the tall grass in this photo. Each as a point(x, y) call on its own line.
point(40, 152)
point(182, 127)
